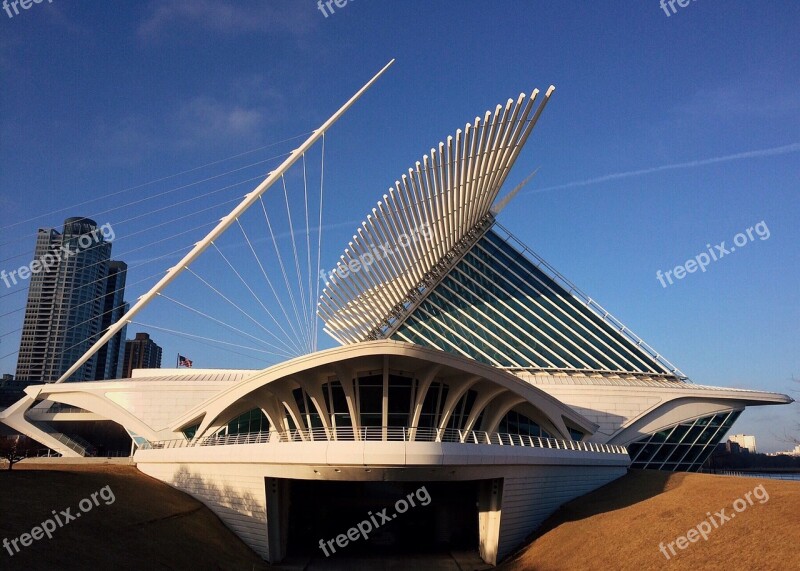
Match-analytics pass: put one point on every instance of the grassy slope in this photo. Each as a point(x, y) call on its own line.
point(621, 525)
point(152, 526)
point(149, 526)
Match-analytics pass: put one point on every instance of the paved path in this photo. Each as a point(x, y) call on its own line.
point(456, 561)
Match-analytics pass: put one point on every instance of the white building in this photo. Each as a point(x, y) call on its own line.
point(744, 441)
point(467, 364)
point(794, 452)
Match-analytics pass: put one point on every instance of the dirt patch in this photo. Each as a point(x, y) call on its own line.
point(622, 525)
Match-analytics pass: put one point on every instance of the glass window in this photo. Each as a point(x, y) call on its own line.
point(251, 421)
point(342, 419)
point(686, 446)
point(462, 409)
point(679, 433)
point(703, 456)
point(662, 435)
point(679, 452)
point(399, 400)
point(663, 453)
point(575, 434)
point(516, 423)
point(731, 419)
point(694, 433)
point(634, 449)
point(696, 450)
point(709, 431)
point(337, 402)
point(190, 431)
point(370, 395)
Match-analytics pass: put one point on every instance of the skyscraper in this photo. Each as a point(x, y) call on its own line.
point(110, 357)
point(141, 353)
point(75, 292)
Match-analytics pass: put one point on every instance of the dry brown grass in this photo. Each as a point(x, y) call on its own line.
point(621, 525)
point(149, 526)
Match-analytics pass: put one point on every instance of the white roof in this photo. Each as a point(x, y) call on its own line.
point(192, 375)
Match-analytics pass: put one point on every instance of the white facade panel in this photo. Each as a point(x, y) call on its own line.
point(532, 495)
point(235, 492)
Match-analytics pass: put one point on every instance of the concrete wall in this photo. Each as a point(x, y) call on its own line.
point(524, 484)
point(532, 494)
point(235, 492)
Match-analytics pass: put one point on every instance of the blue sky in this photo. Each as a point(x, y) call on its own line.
point(103, 97)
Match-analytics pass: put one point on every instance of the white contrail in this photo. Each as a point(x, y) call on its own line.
point(793, 148)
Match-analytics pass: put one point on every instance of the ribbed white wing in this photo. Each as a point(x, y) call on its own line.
point(416, 230)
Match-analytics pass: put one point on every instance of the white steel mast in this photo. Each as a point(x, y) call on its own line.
point(223, 225)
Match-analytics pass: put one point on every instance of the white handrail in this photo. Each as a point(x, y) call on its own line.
point(390, 434)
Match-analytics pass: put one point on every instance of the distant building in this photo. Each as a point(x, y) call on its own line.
point(11, 390)
point(75, 293)
point(140, 353)
point(745, 441)
point(110, 356)
point(795, 452)
point(728, 447)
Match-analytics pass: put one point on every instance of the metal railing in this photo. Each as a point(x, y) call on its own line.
point(389, 434)
point(42, 453)
point(747, 474)
point(76, 443)
point(73, 442)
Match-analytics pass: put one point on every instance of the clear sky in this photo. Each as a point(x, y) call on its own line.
point(665, 134)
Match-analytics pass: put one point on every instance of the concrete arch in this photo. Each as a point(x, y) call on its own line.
point(272, 388)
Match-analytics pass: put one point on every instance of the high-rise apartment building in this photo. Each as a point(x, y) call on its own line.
point(75, 292)
point(141, 353)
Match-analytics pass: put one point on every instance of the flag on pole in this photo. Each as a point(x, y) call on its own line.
point(183, 361)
